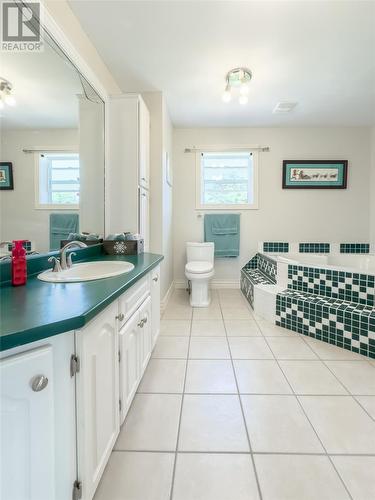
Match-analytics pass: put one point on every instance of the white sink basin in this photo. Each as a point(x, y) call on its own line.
point(87, 271)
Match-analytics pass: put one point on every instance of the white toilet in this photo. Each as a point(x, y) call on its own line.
point(199, 270)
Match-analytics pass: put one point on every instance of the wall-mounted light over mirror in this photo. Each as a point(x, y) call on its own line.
point(53, 138)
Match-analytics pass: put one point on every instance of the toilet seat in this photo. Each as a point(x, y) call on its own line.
point(199, 267)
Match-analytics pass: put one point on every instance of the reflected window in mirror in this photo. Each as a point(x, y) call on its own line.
point(57, 180)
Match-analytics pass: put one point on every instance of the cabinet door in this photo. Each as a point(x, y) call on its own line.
point(155, 305)
point(97, 397)
point(144, 145)
point(145, 333)
point(27, 426)
point(144, 217)
point(129, 344)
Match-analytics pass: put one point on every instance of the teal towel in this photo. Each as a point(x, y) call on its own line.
point(60, 226)
point(224, 231)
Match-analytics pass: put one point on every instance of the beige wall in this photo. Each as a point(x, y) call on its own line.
point(69, 24)
point(283, 215)
point(19, 217)
point(372, 189)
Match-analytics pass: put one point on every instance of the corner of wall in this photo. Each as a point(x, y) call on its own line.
point(65, 19)
point(372, 187)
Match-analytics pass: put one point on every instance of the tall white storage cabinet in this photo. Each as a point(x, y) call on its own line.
point(129, 181)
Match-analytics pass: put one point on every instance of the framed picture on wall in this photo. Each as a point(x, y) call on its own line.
point(315, 174)
point(6, 175)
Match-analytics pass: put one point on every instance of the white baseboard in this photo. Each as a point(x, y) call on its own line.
point(167, 296)
point(215, 284)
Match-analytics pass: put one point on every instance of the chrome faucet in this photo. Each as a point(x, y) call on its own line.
point(66, 260)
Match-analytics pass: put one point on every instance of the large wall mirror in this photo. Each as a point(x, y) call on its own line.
point(52, 150)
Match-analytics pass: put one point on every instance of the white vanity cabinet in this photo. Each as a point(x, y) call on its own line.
point(97, 397)
point(37, 411)
point(27, 425)
point(145, 333)
point(113, 351)
point(155, 305)
point(129, 355)
point(135, 338)
point(64, 398)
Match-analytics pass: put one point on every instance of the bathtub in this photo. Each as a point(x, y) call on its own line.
point(362, 263)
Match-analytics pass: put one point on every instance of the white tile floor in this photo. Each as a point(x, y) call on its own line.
point(234, 408)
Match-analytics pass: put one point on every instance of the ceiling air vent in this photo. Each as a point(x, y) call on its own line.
point(284, 107)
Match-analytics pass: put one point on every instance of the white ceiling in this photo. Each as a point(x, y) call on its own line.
point(319, 53)
point(45, 86)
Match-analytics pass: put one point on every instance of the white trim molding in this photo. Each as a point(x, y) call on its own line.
point(167, 296)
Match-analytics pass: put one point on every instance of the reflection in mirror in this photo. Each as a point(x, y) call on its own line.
point(52, 142)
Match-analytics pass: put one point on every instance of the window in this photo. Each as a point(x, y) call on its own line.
point(226, 180)
point(58, 181)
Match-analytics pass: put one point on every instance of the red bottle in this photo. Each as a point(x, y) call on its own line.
point(19, 269)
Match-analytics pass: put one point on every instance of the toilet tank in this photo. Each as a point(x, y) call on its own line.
point(200, 251)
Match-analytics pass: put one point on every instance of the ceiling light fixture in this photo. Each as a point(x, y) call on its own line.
point(237, 78)
point(6, 93)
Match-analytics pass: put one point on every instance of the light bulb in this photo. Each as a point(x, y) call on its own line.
point(10, 100)
point(226, 97)
point(243, 99)
point(244, 89)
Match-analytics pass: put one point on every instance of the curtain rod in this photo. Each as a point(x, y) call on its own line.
point(215, 149)
point(54, 149)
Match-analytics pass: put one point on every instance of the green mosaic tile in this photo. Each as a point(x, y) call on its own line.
point(354, 248)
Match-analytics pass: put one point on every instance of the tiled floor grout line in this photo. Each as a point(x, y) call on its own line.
point(360, 404)
point(291, 453)
point(242, 410)
point(354, 396)
point(298, 394)
point(313, 428)
point(180, 416)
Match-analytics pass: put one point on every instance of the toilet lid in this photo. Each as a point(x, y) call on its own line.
point(199, 267)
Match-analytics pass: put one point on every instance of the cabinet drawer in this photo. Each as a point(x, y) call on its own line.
point(130, 301)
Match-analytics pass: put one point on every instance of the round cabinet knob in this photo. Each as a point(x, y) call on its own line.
point(156, 279)
point(38, 383)
point(145, 319)
point(140, 324)
point(120, 317)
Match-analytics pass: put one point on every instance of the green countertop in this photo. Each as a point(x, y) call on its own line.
point(40, 310)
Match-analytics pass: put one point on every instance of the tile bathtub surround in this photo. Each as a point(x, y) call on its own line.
point(247, 286)
point(260, 270)
point(314, 247)
point(205, 439)
point(266, 265)
point(354, 248)
point(270, 246)
point(343, 324)
point(351, 287)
